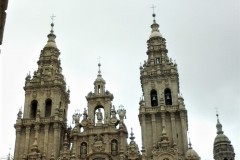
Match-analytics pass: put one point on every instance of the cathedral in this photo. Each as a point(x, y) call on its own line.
point(100, 132)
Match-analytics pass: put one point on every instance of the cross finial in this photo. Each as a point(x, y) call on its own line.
point(99, 65)
point(52, 17)
point(153, 7)
point(216, 108)
point(99, 59)
point(52, 24)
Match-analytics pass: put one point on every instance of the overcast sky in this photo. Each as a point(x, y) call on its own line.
point(202, 36)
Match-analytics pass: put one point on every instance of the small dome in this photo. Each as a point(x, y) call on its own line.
point(221, 138)
point(155, 34)
point(99, 79)
point(192, 155)
point(51, 44)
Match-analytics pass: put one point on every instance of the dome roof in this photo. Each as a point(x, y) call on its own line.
point(99, 79)
point(155, 31)
point(51, 44)
point(221, 138)
point(191, 155)
point(99, 76)
point(155, 34)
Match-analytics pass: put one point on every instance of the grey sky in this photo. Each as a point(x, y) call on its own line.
point(202, 36)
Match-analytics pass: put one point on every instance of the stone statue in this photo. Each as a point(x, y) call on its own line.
point(99, 115)
point(114, 146)
point(83, 149)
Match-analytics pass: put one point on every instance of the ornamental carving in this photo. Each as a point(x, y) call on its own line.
point(48, 93)
point(98, 144)
point(34, 94)
point(160, 153)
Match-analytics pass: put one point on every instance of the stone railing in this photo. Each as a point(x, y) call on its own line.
point(42, 120)
point(168, 108)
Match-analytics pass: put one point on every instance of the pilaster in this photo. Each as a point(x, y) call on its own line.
point(17, 142)
point(173, 127)
point(46, 132)
point(56, 140)
point(27, 140)
point(184, 130)
point(143, 128)
point(154, 129)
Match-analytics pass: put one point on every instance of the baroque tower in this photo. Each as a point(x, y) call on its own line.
point(40, 132)
point(162, 113)
point(100, 134)
point(222, 148)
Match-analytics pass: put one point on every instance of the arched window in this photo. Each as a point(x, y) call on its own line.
point(154, 100)
point(168, 96)
point(114, 147)
point(48, 107)
point(33, 110)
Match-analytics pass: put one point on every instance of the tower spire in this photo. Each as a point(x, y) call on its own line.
point(219, 125)
point(99, 82)
point(51, 36)
point(222, 146)
point(190, 144)
point(155, 26)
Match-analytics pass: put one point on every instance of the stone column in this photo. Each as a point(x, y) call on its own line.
point(154, 131)
point(46, 130)
point(27, 140)
point(17, 142)
point(184, 130)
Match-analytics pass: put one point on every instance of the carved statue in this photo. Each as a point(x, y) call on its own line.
point(99, 115)
point(83, 149)
point(114, 146)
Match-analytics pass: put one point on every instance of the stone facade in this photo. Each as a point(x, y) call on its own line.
point(100, 133)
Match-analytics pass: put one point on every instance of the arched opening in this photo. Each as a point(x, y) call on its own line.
point(114, 147)
point(168, 96)
point(99, 114)
point(83, 149)
point(154, 100)
point(33, 110)
point(99, 88)
point(48, 107)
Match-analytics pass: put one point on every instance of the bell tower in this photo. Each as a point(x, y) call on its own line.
point(162, 113)
point(40, 131)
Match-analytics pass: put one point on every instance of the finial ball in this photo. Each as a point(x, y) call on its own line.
point(154, 15)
